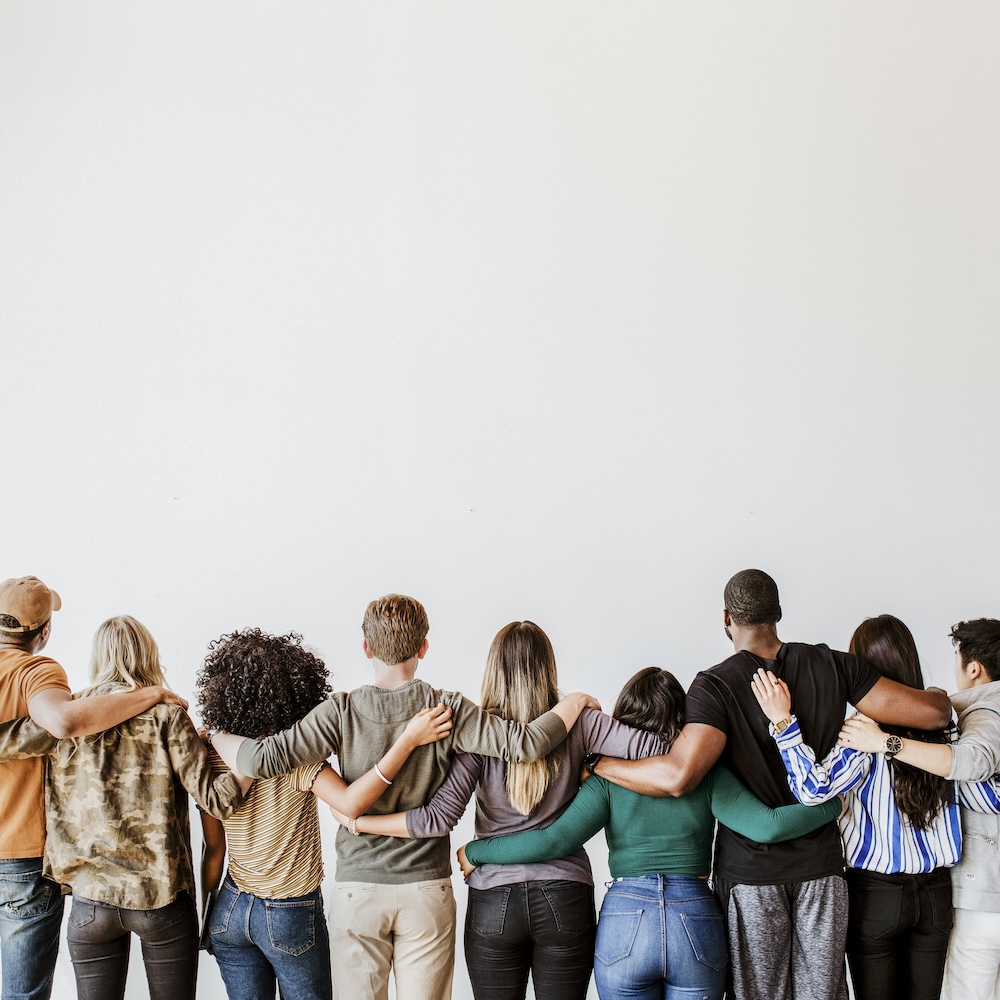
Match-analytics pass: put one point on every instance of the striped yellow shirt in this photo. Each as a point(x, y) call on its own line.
point(273, 839)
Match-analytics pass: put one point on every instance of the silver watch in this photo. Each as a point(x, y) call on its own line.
point(893, 744)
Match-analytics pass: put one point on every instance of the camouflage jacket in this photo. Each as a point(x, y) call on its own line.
point(116, 804)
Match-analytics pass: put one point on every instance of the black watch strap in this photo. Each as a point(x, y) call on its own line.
point(590, 761)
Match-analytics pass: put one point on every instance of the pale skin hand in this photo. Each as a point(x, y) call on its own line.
point(463, 862)
point(572, 705)
point(772, 695)
point(861, 733)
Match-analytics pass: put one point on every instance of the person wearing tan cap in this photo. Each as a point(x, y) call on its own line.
point(31, 906)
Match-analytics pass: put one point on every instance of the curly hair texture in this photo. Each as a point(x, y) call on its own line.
point(257, 684)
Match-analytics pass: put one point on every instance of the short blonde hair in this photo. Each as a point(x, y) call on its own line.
point(395, 627)
point(125, 652)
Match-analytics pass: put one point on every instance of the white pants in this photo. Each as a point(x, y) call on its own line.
point(971, 972)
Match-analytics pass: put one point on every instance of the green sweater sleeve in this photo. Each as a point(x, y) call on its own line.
point(584, 816)
point(733, 805)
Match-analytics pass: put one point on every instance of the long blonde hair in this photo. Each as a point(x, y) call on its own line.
point(520, 683)
point(124, 652)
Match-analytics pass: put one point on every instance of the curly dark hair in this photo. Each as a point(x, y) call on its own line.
point(257, 684)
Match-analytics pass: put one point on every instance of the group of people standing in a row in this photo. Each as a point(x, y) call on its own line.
point(752, 735)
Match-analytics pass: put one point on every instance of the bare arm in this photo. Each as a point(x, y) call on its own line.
point(62, 715)
point(860, 733)
point(677, 773)
point(428, 726)
point(899, 705)
point(213, 857)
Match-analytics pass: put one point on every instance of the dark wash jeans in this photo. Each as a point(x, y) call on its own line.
point(99, 937)
point(31, 910)
point(545, 928)
point(897, 933)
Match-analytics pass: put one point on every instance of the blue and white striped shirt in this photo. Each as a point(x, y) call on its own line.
point(877, 836)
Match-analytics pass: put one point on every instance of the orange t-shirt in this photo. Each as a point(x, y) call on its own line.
point(22, 782)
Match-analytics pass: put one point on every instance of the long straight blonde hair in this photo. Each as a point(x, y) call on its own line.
point(124, 652)
point(520, 683)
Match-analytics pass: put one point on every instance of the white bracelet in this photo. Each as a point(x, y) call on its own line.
point(378, 771)
point(352, 826)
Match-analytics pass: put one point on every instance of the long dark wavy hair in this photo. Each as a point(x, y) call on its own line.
point(887, 644)
point(653, 700)
point(257, 684)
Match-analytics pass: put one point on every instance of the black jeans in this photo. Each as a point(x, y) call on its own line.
point(546, 928)
point(99, 936)
point(897, 933)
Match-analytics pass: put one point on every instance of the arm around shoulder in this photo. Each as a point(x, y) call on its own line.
point(676, 773)
point(899, 705)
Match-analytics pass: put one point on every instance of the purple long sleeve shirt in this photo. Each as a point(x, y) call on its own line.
point(595, 732)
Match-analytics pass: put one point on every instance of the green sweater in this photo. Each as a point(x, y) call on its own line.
point(649, 835)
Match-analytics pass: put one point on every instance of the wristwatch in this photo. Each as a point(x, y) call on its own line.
point(590, 761)
point(780, 726)
point(893, 744)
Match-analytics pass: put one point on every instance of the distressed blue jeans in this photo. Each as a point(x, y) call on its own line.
point(31, 910)
point(259, 941)
point(662, 937)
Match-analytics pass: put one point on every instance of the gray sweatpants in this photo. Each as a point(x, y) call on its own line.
point(786, 941)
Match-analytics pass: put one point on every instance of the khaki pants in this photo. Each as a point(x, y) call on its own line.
point(409, 929)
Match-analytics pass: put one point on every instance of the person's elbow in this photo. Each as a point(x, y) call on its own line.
point(939, 708)
point(60, 721)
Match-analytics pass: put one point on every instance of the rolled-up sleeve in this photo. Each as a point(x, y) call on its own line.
point(976, 755)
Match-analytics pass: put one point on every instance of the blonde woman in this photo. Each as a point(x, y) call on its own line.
point(118, 831)
point(536, 918)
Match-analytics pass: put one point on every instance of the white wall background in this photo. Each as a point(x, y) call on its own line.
point(563, 311)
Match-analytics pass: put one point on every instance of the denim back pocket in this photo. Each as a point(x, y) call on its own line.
point(218, 919)
point(26, 894)
point(488, 908)
point(707, 935)
point(291, 925)
point(82, 913)
point(616, 932)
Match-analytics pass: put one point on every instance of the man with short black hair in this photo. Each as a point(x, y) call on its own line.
point(30, 905)
point(785, 904)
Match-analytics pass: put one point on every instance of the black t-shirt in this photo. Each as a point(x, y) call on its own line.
point(822, 681)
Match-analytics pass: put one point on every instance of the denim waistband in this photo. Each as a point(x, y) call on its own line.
point(661, 886)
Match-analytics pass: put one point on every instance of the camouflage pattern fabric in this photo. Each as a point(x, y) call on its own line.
point(116, 804)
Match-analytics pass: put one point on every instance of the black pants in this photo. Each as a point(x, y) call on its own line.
point(546, 928)
point(99, 936)
point(897, 933)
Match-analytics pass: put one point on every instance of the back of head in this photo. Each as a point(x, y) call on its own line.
point(520, 683)
point(652, 700)
point(124, 652)
point(394, 628)
point(259, 684)
point(751, 598)
point(887, 644)
point(26, 605)
point(979, 639)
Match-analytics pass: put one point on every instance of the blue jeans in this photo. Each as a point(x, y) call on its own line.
point(259, 941)
point(661, 936)
point(31, 909)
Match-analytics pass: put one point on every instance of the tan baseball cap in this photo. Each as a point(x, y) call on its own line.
point(29, 602)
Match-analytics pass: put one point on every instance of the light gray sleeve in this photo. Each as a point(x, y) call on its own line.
point(976, 755)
